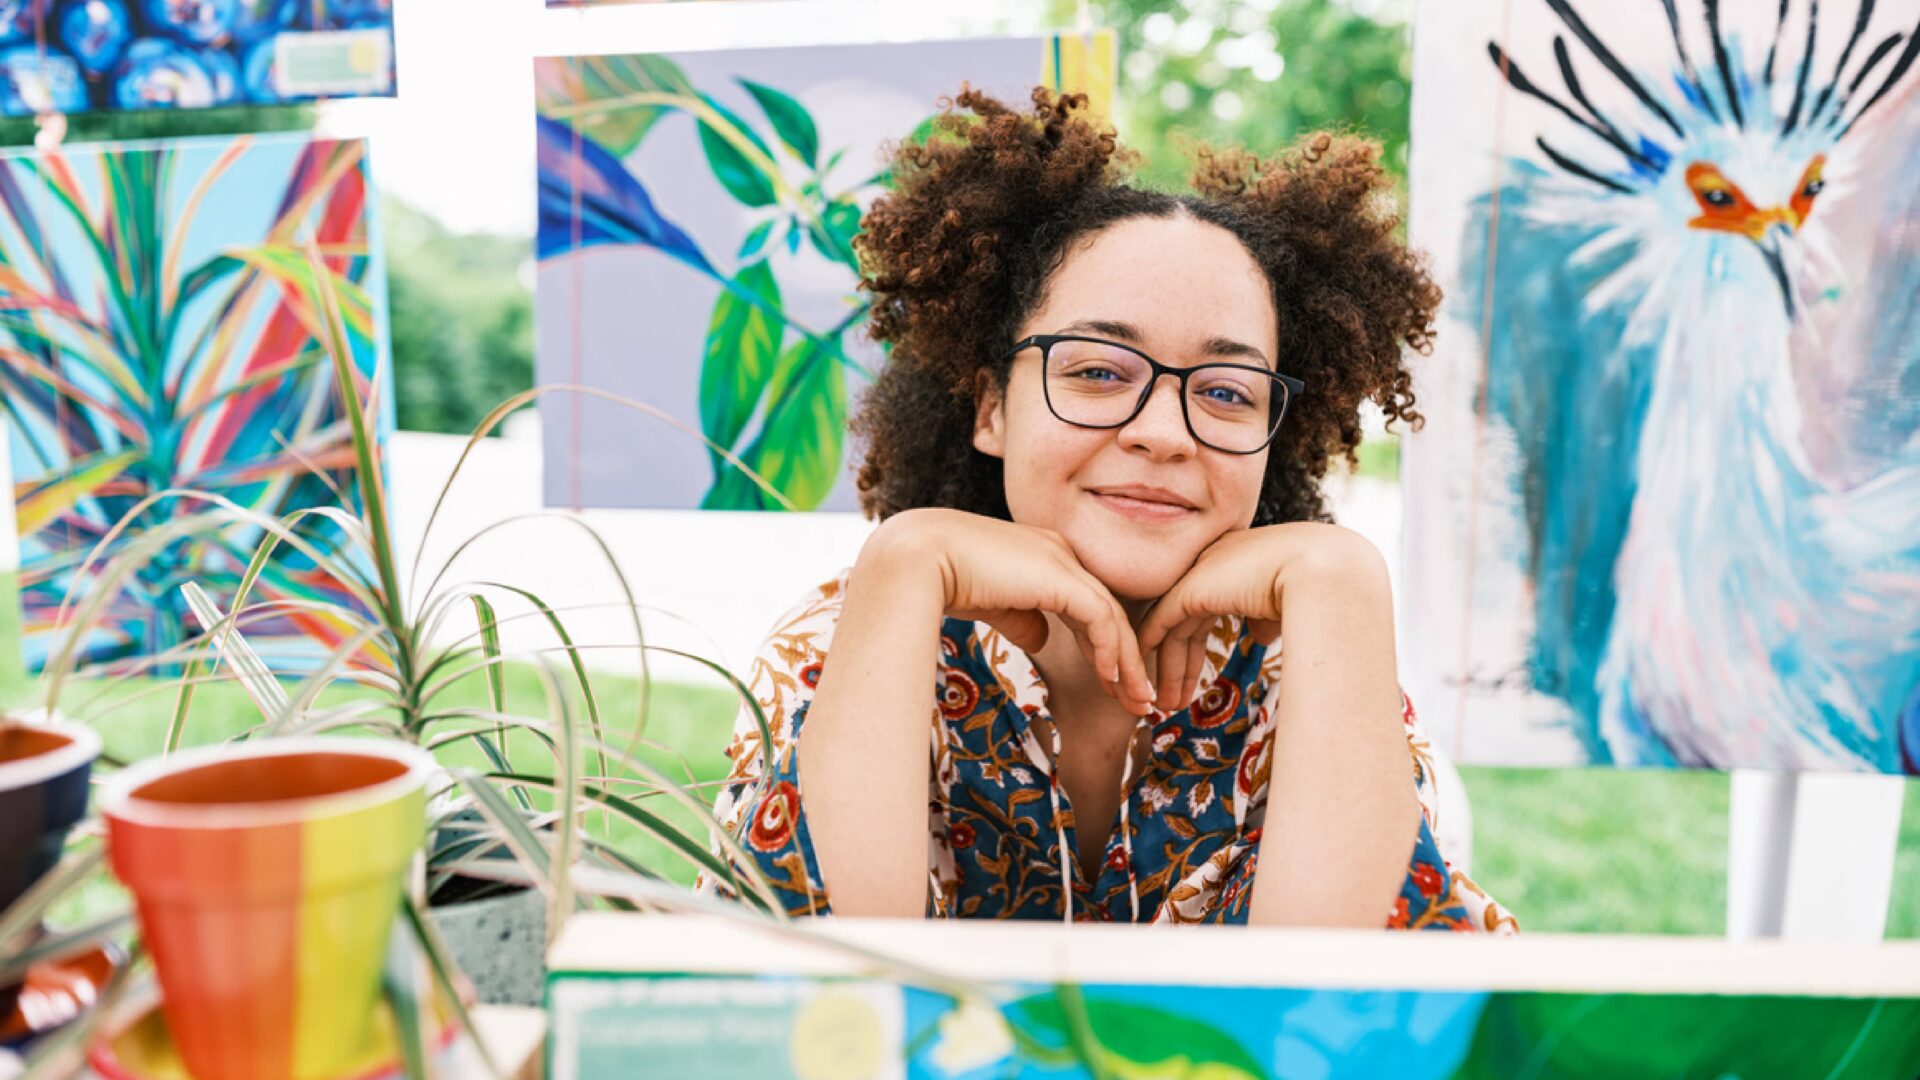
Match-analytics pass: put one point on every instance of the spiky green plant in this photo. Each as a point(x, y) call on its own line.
point(401, 649)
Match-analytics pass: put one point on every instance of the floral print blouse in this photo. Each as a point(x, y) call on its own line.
point(1000, 832)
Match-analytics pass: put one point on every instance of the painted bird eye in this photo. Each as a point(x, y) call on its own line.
point(1814, 187)
point(1716, 197)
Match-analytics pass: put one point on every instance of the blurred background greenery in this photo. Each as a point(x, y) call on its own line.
point(1576, 850)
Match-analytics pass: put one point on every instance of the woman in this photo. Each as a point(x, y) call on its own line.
point(1095, 455)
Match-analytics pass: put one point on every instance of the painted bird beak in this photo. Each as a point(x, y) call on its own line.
point(1773, 245)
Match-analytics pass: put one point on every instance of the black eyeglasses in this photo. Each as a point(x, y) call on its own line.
point(1093, 383)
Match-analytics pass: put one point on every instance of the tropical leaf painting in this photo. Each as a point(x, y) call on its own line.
point(160, 322)
point(697, 218)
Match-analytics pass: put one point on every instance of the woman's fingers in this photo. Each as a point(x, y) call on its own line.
point(1181, 654)
point(1101, 625)
point(1166, 677)
point(1196, 661)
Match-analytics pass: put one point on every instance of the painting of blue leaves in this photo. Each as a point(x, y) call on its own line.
point(79, 55)
point(1666, 509)
point(696, 225)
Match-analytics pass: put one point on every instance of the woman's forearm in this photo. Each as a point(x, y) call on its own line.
point(864, 759)
point(1342, 814)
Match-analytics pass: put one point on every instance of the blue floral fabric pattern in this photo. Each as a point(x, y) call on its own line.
point(1184, 850)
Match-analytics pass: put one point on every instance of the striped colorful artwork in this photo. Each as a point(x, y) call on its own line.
point(160, 329)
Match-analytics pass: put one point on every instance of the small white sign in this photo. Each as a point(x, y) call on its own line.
point(334, 62)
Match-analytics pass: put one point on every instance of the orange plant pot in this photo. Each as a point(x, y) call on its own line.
point(267, 877)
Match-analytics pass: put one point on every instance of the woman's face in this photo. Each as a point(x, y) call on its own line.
point(1137, 503)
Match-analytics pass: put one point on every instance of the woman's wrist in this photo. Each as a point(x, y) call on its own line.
point(1320, 564)
point(903, 561)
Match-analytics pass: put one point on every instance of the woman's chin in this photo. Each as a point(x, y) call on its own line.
point(1146, 578)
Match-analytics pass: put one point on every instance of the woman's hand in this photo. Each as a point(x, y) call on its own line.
point(1011, 577)
point(1250, 573)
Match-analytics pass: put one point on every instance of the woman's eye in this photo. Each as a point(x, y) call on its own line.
point(1226, 395)
point(1095, 374)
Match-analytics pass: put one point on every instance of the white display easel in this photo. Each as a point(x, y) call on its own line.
point(1810, 856)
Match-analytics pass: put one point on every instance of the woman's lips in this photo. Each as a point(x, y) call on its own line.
point(1136, 509)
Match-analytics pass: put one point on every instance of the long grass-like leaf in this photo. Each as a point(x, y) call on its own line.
point(440, 959)
point(525, 846)
point(496, 678)
point(404, 1000)
point(253, 672)
point(581, 678)
point(23, 917)
point(57, 945)
point(626, 591)
point(373, 491)
point(500, 412)
point(323, 676)
point(674, 793)
point(652, 823)
point(746, 695)
point(490, 647)
point(566, 834)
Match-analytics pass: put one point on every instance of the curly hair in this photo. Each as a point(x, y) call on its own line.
point(958, 256)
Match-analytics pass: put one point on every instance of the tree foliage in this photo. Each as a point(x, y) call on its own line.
point(1255, 73)
point(462, 319)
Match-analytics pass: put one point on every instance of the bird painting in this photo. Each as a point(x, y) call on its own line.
point(1696, 275)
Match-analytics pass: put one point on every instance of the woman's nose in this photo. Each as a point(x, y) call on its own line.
point(1160, 427)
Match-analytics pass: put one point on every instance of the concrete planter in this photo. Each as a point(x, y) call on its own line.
point(500, 942)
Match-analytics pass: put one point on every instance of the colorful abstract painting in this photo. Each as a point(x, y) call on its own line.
point(1669, 487)
point(161, 327)
point(697, 216)
point(79, 55)
point(790, 1029)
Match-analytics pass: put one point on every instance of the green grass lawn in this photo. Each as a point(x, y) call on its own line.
point(1571, 850)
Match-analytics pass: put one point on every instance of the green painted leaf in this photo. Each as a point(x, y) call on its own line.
point(800, 446)
point(1140, 1040)
point(790, 120)
point(614, 100)
point(757, 239)
point(743, 344)
point(742, 178)
point(833, 235)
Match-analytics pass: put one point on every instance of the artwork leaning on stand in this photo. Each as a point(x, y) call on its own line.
point(697, 216)
point(1671, 475)
point(84, 55)
point(158, 333)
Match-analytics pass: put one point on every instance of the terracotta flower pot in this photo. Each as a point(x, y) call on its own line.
point(43, 792)
point(267, 877)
